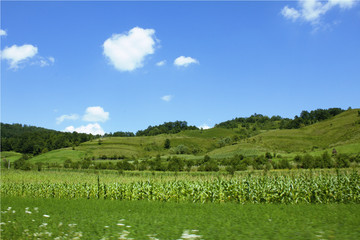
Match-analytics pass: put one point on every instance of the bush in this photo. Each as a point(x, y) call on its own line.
point(175, 164)
point(167, 143)
point(326, 160)
point(308, 161)
point(283, 164)
point(75, 165)
point(22, 164)
point(342, 161)
point(180, 149)
point(67, 163)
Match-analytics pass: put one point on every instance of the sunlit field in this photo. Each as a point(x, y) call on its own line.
point(31, 218)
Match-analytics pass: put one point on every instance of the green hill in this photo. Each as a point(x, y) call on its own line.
point(341, 132)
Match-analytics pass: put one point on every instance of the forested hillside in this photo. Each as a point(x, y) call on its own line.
point(36, 140)
point(259, 121)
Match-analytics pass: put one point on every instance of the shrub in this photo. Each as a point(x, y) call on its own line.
point(175, 164)
point(308, 161)
point(67, 163)
point(180, 149)
point(342, 161)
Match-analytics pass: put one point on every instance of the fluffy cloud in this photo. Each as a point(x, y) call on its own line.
point(66, 117)
point(3, 32)
point(167, 98)
point(185, 61)
point(312, 10)
point(17, 54)
point(95, 114)
point(290, 13)
point(161, 63)
point(204, 126)
point(92, 128)
point(127, 51)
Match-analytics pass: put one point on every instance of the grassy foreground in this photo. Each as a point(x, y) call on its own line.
point(30, 218)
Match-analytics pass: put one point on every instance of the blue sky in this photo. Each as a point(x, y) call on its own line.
point(94, 66)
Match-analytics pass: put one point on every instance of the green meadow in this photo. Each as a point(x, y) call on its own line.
point(106, 219)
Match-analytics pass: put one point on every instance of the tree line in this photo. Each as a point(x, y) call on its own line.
point(259, 121)
point(35, 140)
point(265, 162)
point(167, 127)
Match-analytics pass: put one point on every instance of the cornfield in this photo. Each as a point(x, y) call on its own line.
point(304, 188)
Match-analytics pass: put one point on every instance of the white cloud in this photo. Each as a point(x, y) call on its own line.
point(51, 59)
point(17, 54)
point(204, 126)
point(95, 114)
point(167, 98)
point(66, 117)
point(43, 62)
point(312, 10)
point(127, 51)
point(161, 63)
point(91, 128)
point(290, 13)
point(185, 61)
point(3, 32)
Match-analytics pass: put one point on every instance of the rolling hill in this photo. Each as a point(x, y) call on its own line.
point(341, 132)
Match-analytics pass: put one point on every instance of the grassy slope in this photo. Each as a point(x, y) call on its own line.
point(138, 147)
point(341, 132)
point(12, 156)
point(338, 131)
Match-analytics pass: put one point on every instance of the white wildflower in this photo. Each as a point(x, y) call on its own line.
point(2, 223)
point(47, 216)
point(28, 212)
point(187, 235)
point(152, 237)
point(120, 224)
point(9, 208)
point(43, 225)
point(13, 211)
point(78, 234)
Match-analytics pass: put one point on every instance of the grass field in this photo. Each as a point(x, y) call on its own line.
point(106, 219)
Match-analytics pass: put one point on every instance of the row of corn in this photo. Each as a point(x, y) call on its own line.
point(341, 188)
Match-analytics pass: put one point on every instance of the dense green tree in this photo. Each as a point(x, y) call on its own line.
point(34, 140)
point(167, 143)
point(167, 127)
point(175, 164)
